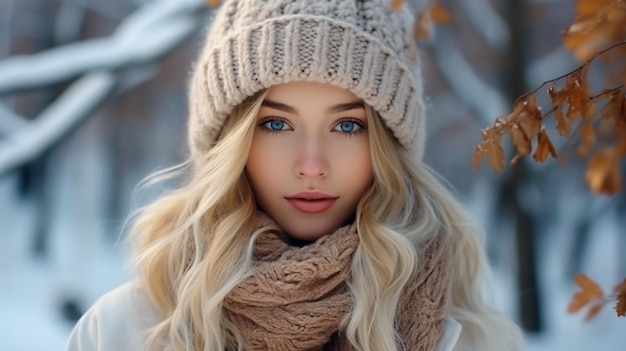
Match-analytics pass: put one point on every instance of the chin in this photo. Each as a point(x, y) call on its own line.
point(307, 230)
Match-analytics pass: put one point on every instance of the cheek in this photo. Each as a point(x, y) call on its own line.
point(263, 164)
point(356, 164)
point(255, 168)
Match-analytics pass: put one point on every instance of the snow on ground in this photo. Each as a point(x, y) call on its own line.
point(31, 294)
point(606, 332)
point(30, 289)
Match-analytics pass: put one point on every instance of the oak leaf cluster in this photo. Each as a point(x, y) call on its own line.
point(591, 297)
point(596, 122)
point(598, 24)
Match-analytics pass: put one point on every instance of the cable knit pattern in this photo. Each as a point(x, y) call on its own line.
point(423, 306)
point(298, 296)
point(357, 45)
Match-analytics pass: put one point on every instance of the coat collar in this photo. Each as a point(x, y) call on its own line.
point(451, 333)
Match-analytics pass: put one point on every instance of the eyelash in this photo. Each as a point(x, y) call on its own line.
point(264, 121)
point(358, 122)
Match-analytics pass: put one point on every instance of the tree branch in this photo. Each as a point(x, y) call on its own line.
point(56, 120)
point(143, 36)
point(10, 122)
point(150, 32)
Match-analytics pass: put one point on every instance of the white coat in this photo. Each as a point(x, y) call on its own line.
point(120, 321)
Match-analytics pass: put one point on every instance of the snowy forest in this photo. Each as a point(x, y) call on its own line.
point(93, 100)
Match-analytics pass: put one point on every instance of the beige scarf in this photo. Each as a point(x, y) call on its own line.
point(297, 297)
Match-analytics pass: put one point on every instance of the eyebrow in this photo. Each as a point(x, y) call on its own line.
point(332, 109)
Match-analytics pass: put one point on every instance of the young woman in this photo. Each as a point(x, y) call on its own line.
point(307, 220)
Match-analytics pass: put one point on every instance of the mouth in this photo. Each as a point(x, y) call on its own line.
point(311, 202)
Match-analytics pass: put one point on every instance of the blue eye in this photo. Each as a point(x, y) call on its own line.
point(347, 127)
point(275, 125)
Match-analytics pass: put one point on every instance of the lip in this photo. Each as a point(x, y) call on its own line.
point(311, 202)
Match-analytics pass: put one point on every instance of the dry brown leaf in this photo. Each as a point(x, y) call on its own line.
point(528, 115)
point(576, 92)
point(477, 156)
point(612, 110)
point(396, 5)
point(562, 125)
point(587, 138)
point(557, 96)
point(603, 174)
point(425, 20)
point(531, 127)
point(439, 13)
point(521, 142)
point(590, 293)
point(544, 147)
point(620, 291)
point(579, 300)
point(531, 107)
point(421, 30)
point(494, 152)
point(588, 286)
point(620, 307)
point(525, 123)
point(213, 3)
point(598, 24)
point(593, 311)
point(589, 109)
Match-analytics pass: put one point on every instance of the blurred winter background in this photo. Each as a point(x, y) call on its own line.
point(92, 99)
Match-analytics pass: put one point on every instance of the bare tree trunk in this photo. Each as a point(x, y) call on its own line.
point(525, 224)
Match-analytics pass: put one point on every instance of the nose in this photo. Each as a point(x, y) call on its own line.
point(311, 162)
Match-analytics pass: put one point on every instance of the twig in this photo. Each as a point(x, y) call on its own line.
point(581, 67)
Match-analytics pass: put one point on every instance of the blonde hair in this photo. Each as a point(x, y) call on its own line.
point(194, 245)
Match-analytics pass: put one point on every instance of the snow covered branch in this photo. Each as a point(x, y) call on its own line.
point(153, 30)
point(10, 122)
point(56, 120)
point(145, 35)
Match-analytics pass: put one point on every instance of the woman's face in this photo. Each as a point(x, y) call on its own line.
point(309, 164)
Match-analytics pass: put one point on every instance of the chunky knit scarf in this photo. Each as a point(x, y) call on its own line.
point(298, 296)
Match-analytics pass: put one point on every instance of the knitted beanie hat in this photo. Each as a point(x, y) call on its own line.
point(360, 45)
